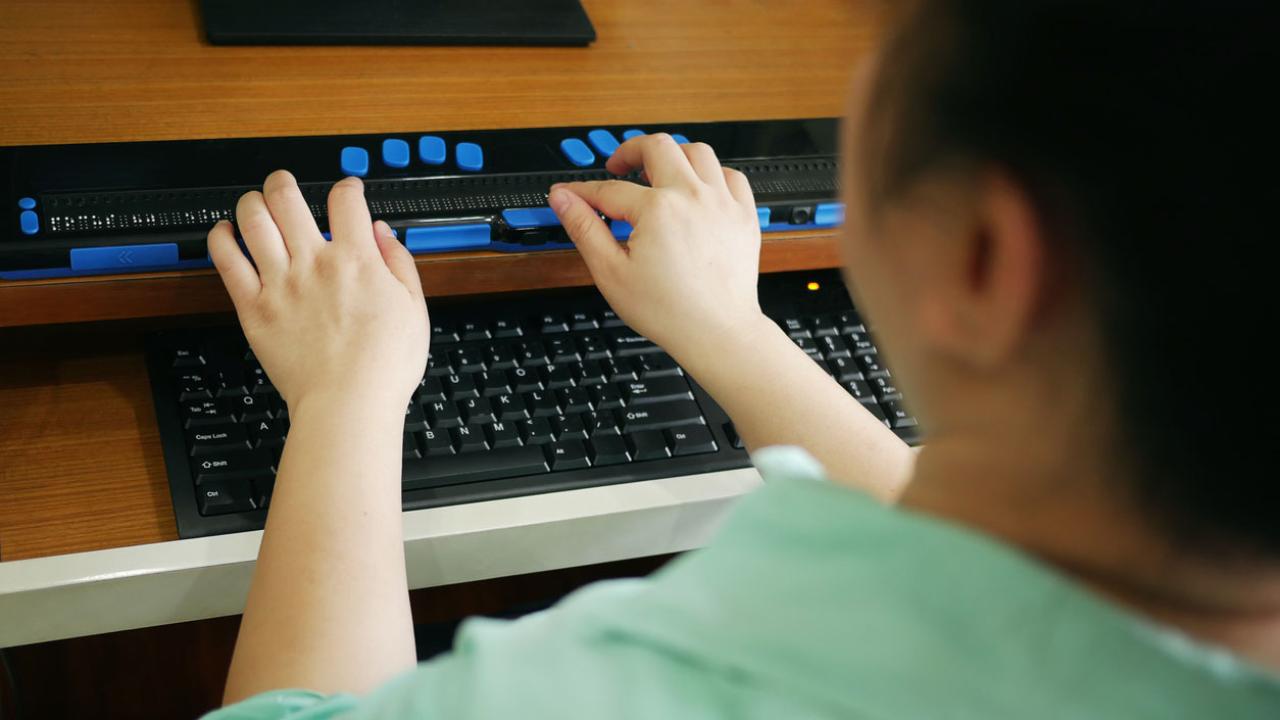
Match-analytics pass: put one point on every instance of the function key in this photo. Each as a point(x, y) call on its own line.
point(582, 321)
point(551, 324)
point(469, 156)
point(610, 319)
point(432, 150)
point(395, 153)
point(474, 331)
point(507, 329)
point(187, 357)
point(354, 161)
point(443, 334)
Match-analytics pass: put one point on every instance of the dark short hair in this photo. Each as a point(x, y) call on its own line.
point(1145, 135)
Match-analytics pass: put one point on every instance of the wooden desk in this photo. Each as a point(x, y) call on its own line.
point(80, 464)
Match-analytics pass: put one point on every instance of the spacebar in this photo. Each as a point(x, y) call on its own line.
point(472, 467)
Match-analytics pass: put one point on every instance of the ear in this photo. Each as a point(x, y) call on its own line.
point(984, 304)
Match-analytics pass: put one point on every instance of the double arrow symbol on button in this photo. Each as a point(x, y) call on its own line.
point(125, 257)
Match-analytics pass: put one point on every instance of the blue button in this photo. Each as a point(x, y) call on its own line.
point(395, 153)
point(764, 214)
point(121, 257)
point(680, 139)
point(29, 222)
point(521, 218)
point(432, 150)
point(27, 203)
point(438, 238)
point(628, 134)
point(828, 214)
point(577, 152)
point(469, 156)
point(621, 229)
point(355, 161)
point(603, 141)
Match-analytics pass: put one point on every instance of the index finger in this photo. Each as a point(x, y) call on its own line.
point(660, 158)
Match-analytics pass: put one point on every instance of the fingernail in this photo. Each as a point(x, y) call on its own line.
point(559, 199)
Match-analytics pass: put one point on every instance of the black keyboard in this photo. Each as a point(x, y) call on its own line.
point(522, 395)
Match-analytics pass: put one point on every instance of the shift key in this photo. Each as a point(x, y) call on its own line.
point(660, 415)
point(227, 465)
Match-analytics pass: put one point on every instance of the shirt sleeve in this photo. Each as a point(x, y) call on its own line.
point(281, 704)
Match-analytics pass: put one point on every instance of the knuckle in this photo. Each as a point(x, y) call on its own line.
point(661, 138)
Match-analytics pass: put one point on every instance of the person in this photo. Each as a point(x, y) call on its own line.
point(1058, 219)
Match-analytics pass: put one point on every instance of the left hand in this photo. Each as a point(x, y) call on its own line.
point(343, 318)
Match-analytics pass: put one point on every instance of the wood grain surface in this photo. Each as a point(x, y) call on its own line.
point(80, 465)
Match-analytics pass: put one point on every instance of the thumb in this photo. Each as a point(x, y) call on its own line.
point(583, 224)
point(397, 257)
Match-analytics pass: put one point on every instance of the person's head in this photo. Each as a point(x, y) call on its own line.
point(1081, 195)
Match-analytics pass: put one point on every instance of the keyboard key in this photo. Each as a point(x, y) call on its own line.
point(502, 357)
point(443, 334)
point(354, 161)
point(594, 347)
point(460, 386)
point(833, 346)
point(849, 322)
point(187, 357)
point(473, 467)
point(269, 433)
point(217, 439)
point(469, 438)
point(860, 390)
point(898, 415)
point(414, 418)
point(473, 331)
point(410, 447)
point(662, 415)
point(647, 445)
point(861, 344)
point(553, 324)
point(691, 441)
point(542, 403)
point(555, 377)
point(466, 360)
point(562, 350)
point(536, 431)
point(263, 488)
point(844, 369)
point(532, 354)
point(220, 498)
point(655, 390)
point(626, 342)
point(885, 390)
point(443, 415)
point(871, 366)
point(574, 400)
point(796, 328)
point(432, 150)
point(568, 426)
point(436, 442)
point(395, 153)
point(502, 434)
point(581, 321)
point(507, 329)
point(656, 365)
point(525, 380)
point(468, 156)
point(232, 464)
point(476, 411)
point(567, 455)
point(510, 407)
point(207, 412)
point(610, 319)
point(734, 439)
point(430, 390)
point(193, 386)
point(577, 152)
point(607, 450)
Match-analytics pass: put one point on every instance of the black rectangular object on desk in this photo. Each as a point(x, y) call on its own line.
point(70, 210)
point(525, 394)
point(396, 22)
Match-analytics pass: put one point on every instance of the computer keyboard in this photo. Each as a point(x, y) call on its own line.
point(525, 394)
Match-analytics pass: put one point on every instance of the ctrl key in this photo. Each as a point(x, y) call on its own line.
point(220, 498)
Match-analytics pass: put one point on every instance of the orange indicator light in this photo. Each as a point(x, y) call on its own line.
point(813, 285)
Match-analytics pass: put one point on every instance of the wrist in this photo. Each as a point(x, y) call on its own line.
point(708, 354)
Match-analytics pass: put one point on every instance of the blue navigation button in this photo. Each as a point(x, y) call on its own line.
point(29, 222)
point(628, 134)
point(438, 238)
point(577, 152)
point(432, 150)
point(521, 218)
point(355, 161)
point(124, 257)
point(603, 141)
point(680, 139)
point(395, 153)
point(27, 203)
point(469, 157)
point(621, 229)
point(828, 214)
point(764, 214)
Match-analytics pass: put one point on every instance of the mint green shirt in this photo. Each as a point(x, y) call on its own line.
point(815, 601)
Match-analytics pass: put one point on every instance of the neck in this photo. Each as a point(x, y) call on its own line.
point(1061, 507)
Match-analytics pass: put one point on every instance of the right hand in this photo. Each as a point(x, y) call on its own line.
point(687, 277)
